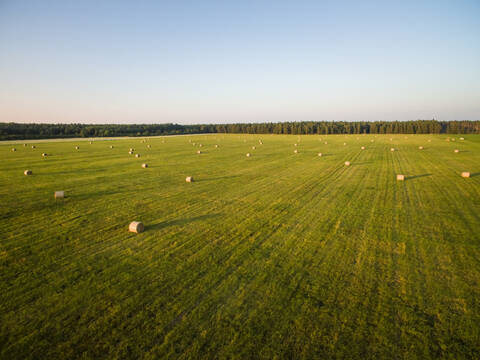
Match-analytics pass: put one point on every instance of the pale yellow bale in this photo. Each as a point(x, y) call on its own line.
point(253, 147)
point(248, 154)
point(295, 151)
point(363, 147)
point(420, 148)
point(13, 149)
point(319, 154)
point(347, 163)
point(33, 146)
point(456, 150)
point(465, 174)
point(189, 179)
point(144, 166)
point(76, 148)
point(137, 155)
point(27, 172)
point(199, 152)
point(44, 154)
point(400, 177)
point(392, 149)
point(136, 227)
point(59, 194)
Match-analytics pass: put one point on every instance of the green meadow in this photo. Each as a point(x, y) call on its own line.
point(279, 255)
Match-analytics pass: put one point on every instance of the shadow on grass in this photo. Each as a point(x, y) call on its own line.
point(180, 222)
point(217, 178)
point(361, 163)
point(416, 176)
point(475, 174)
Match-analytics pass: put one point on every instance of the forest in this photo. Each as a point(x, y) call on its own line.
point(21, 131)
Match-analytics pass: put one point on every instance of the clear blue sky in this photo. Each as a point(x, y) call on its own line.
point(238, 61)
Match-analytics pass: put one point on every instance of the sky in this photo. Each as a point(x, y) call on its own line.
point(191, 62)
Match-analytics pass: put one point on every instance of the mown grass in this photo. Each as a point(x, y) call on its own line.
point(279, 255)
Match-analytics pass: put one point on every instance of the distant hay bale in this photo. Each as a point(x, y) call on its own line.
point(13, 149)
point(44, 154)
point(253, 147)
point(392, 149)
point(420, 148)
point(363, 147)
point(137, 155)
point(91, 143)
point(462, 138)
point(347, 163)
point(325, 143)
point(27, 172)
point(24, 145)
point(193, 144)
point(76, 147)
point(59, 194)
point(344, 144)
point(319, 154)
point(132, 149)
point(144, 166)
point(216, 146)
point(111, 146)
point(199, 152)
point(295, 144)
point(248, 154)
point(130, 152)
point(149, 146)
point(453, 139)
point(295, 151)
point(33, 146)
point(456, 150)
point(400, 177)
point(189, 179)
point(200, 145)
point(260, 142)
point(136, 227)
point(465, 174)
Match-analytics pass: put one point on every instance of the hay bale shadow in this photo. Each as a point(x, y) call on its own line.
point(416, 176)
point(475, 174)
point(180, 222)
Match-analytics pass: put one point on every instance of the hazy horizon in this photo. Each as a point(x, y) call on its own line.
point(217, 62)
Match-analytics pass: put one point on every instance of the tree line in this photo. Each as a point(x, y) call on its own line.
point(18, 131)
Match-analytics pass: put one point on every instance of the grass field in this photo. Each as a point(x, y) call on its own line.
point(279, 255)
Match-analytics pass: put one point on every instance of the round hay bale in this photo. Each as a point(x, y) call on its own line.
point(111, 146)
point(253, 147)
point(59, 194)
point(295, 151)
point(420, 148)
point(132, 149)
point(189, 179)
point(363, 147)
point(24, 145)
point(216, 146)
point(462, 138)
point(248, 154)
point(325, 143)
point(136, 227)
point(137, 155)
point(456, 151)
point(400, 177)
point(130, 152)
point(27, 172)
point(91, 143)
point(76, 148)
point(13, 149)
point(392, 149)
point(200, 145)
point(347, 163)
point(260, 142)
point(344, 144)
point(465, 174)
point(44, 154)
point(149, 146)
point(295, 144)
point(199, 152)
point(319, 154)
point(144, 166)
point(193, 144)
point(33, 146)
